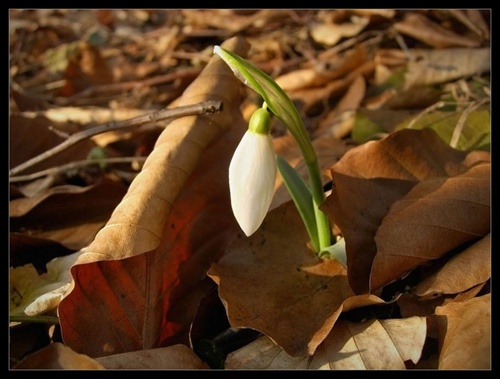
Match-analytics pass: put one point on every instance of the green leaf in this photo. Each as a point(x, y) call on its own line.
point(475, 134)
point(301, 196)
point(276, 99)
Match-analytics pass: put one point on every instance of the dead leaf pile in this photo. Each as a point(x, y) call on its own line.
point(124, 253)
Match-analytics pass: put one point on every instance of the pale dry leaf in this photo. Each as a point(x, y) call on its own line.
point(370, 345)
point(57, 356)
point(330, 34)
point(429, 67)
point(465, 334)
point(465, 270)
point(176, 357)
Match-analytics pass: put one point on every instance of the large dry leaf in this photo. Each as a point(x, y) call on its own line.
point(149, 259)
point(465, 270)
point(370, 178)
point(273, 283)
point(57, 356)
point(370, 345)
point(70, 215)
point(465, 338)
point(177, 357)
point(436, 216)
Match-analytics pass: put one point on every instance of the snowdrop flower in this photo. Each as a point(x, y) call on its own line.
point(252, 173)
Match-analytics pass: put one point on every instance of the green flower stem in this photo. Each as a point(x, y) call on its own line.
point(323, 225)
point(281, 105)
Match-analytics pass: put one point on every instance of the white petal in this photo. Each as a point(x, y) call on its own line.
point(252, 176)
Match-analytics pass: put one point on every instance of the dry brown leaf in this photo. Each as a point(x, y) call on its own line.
point(465, 342)
point(436, 216)
point(370, 178)
point(312, 77)
point(331, 33)
point(86, 69)
point(292, 283)
point(348, 103)
point(429, 67)
point(420, 27)
point(162, 237)
point(177, 357)
point(29, 137)
point(299, 296)
point(70, 215)
point(465, 270)
point(57, 356)
point(371, 345)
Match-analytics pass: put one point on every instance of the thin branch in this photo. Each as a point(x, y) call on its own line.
point(73, 166)
point(208, 107)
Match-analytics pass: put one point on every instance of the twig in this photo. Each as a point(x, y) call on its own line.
point(189, 110)
point(72, 166)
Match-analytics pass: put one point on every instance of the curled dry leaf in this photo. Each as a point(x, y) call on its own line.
point(329, 34)
point(162, 237)
point(273, 283)
point(57, 356)
point(371, 345)
point(177, 357)
point(465, 334)
point(371, 178)
point(465, 270)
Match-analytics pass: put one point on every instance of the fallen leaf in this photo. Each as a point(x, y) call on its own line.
point(67, 214)
point(330, 34)
point(372, 177)
point(370, 345)
point(420, 27)
point(29, 137)
point(475, 133)
point(57, 356)
point(465, 270)
point(436, 66)
point(435, 217)
point(33, 294)
point(177, 357)
point(465, 342)
point(162, 237)
point(273, 283)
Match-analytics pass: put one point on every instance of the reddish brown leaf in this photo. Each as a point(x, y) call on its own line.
point(150, 258)
point(465, 340)
point(370, 178)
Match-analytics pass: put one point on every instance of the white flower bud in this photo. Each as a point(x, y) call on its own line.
point(252, 176)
